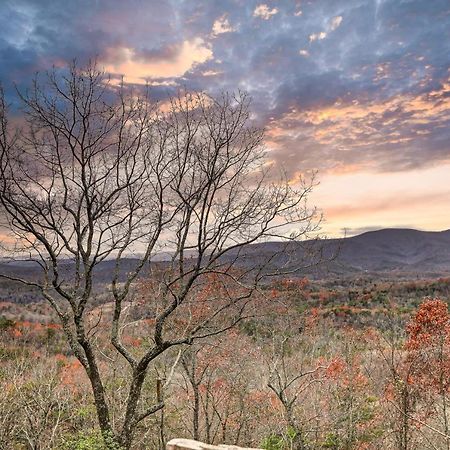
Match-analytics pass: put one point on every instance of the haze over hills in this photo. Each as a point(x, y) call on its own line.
point(389, 251)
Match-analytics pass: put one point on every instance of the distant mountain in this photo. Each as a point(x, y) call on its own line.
point(392, 251)
point(398, 249)
point(388, 251)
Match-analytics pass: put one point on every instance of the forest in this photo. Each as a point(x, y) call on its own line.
point(360, 365)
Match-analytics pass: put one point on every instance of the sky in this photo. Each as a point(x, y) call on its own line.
point(358, 90)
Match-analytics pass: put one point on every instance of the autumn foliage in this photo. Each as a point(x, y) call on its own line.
point(286, 378)
point(430, 325)
point(428, 345)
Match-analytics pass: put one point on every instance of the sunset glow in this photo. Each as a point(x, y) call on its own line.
point(358, 91)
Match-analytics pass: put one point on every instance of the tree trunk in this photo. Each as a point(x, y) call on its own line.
point(196, 412)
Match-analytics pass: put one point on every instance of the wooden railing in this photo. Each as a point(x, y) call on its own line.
point(188, 444)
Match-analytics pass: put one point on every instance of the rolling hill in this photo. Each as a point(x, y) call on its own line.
point(389, 251)
point(392, 251)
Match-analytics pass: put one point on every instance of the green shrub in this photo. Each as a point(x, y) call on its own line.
point(280, 442)
point(89, 441)
point(6, 323)
point(273, 442)
point(331, 441)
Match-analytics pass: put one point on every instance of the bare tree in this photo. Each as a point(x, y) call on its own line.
point(290, 378)
point(100, 173)
point(35, 407)
point(213, 377)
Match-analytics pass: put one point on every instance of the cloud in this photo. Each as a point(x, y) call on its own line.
point(335, 22)
point(124, 61)
point(211, 73)
point(264, 12)
point(317, 36)
point(222, 25)
point(384, 135)
point(340, 98)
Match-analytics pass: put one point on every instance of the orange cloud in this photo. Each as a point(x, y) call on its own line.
point(135, 69)
point(363, 124)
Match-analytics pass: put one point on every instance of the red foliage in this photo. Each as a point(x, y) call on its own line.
point(15, 332)
point(71, 374)
point(133, 341)
point(347, 373)
point(428, 345)
point(430, 325)
point(335, 368)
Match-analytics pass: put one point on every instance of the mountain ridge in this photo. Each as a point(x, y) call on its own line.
point(387, 250)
